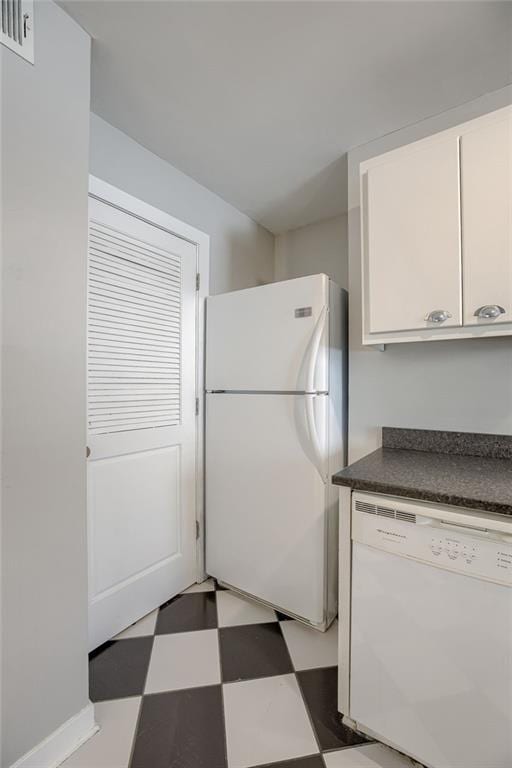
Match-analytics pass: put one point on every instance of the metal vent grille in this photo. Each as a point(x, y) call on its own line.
point(385, 512)
point(390, 512)
point(17, 27)
point(363, 506)
point(408, 517)
point(134, 334)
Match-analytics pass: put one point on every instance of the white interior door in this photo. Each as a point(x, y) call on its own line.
point(412, 238)
point(266, 515)
point(263, 339)
point(141, 418)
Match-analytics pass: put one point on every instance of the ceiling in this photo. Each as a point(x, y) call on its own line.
point(260, 101)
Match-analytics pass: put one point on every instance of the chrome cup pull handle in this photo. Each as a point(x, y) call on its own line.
point(437, 316)
point(490, 311)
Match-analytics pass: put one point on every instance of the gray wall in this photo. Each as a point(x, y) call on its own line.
point(45, 137)
point(320, 247)
point(241, 251)
point(461, 385)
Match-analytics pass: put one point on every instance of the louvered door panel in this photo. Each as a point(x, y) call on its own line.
point(134, 327)
point(141, 467)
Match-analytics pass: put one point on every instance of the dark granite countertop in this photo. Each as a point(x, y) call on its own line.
point(459, 469)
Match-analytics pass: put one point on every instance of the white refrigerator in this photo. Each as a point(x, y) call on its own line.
point(276, 385)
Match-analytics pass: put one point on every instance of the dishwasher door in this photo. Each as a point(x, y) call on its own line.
point(431, 641)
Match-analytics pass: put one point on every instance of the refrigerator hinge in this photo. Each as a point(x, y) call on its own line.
point(198, 529)
point(197, 406)
point(198, 281)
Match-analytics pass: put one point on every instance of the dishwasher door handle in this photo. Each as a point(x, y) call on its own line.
point(464, 528)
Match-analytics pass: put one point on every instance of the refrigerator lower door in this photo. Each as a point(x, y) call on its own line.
point(266, 513)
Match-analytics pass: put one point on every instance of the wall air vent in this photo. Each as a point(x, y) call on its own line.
point(376, 509)
point(17, 30)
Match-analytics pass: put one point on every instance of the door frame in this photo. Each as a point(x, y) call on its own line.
point(110, 195)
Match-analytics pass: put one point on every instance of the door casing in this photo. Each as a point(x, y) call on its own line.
point(106, 193)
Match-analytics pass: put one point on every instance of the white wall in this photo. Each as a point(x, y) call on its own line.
point(44, 152)
point(460, 385)
point(320, 247)
point(45, 166)
point(241, 251)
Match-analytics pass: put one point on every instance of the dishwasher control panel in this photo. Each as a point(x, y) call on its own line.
point(454, 549)
point(473, 551)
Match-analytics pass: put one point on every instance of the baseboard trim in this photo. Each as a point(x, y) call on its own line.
point(60, 744)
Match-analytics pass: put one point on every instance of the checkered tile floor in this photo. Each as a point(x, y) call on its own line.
point(211, 680)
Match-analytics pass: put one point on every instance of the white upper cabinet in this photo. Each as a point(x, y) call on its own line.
point(486, 183)
point(413, 236)
point(436, 221)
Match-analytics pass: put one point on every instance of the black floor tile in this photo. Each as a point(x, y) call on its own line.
point(283, 616)
point(181, 729)
point(314, 761)
point(320, 690)
point(253, 650)
point(187, 613)
point(119, 668)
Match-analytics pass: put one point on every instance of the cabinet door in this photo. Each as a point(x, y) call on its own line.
point(412, 239)
point(486, 175)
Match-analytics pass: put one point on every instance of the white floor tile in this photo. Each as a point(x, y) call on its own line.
point(205, 586)
point(145, 626)
point(367, 756)
point(310, 648)
point(234, 610)
point(184, 660)
point(266, 721)
point(111, 746)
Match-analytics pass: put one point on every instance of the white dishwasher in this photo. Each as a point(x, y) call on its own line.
point(431, 631)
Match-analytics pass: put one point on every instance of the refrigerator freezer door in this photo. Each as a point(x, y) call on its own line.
point(264, 338)
point(266, 516)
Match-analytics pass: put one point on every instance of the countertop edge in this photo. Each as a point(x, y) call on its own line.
point(423, 495)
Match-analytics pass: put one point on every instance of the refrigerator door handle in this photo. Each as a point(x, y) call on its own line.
point(314, 350)
point(313, 436)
